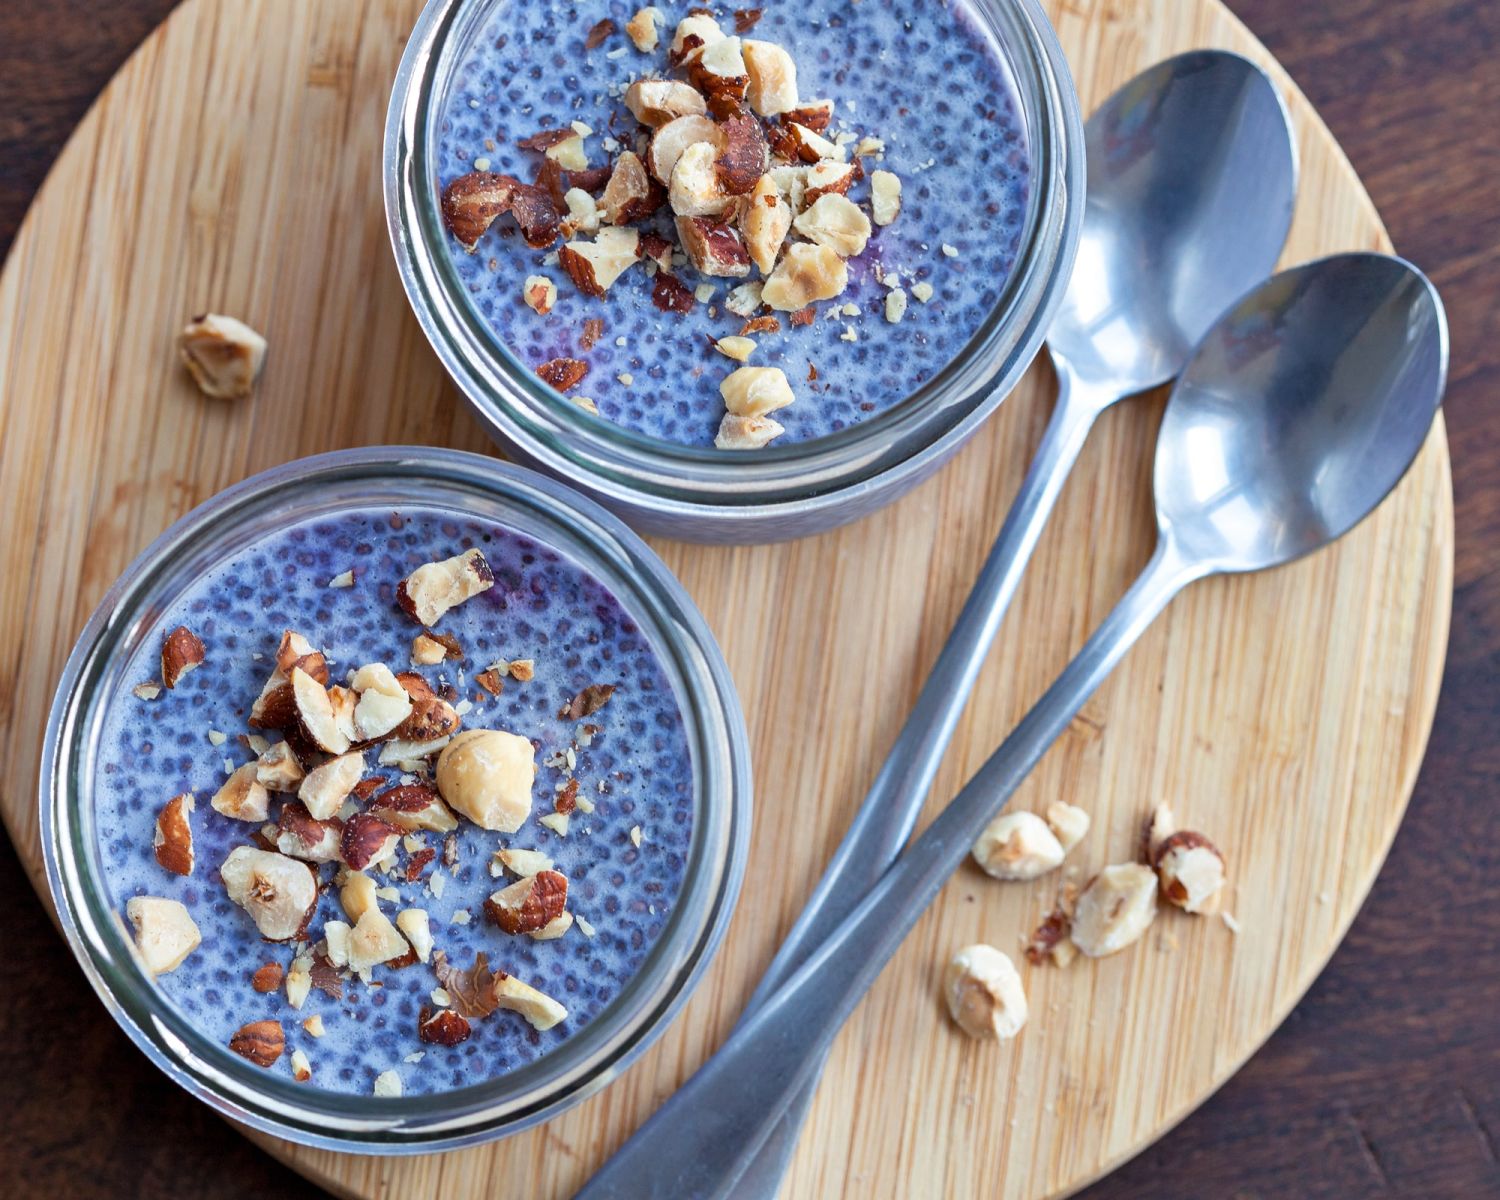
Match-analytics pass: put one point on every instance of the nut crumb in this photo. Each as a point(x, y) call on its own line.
point(343, 580)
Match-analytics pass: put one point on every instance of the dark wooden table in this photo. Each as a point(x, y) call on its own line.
point(1386, 1079)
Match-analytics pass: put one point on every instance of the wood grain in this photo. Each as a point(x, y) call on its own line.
point(1120, 750)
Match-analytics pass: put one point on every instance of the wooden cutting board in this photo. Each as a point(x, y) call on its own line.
point(234, 164)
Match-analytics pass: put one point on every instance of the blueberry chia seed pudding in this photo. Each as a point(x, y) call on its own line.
point(405, 801)
point(640, 200)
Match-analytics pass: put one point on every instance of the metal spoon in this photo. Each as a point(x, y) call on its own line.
point(1299, 412)
point(1192, 176)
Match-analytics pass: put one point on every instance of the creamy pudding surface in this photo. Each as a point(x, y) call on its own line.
point(585, 771)
point(904, 115)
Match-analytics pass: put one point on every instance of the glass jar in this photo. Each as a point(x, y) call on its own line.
point(465, 485)
point(782, 491)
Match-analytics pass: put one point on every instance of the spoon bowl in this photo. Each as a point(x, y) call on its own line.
point(1300, 411)
point(1192, 177)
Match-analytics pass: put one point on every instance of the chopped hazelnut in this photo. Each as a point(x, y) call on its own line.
point(719, 72)
point(922, 291)
point(835, 221)
point(583, 213)
point(301, 1068)
point(885, 196)
point(671, 139)
point(773, 77)
point(713, 247)
point(540, 294)
point(540, 1009)
point(523, 862)
point(242, 797)
point(555, 821)
point(984, 993)
point(1017, 845)
point(416, 926)
point(181, 652)
point(766, 220)
point(594, 266)
point(383, 704)
point(173, 842)
point(387, 1085)
point(299, 980)
point(366, 839)
point(642, 28)
point(746, 433)
point(278, 892)
point(756, 391)
point(487, 775)
point(327, 786)
point(278, 768)
point(806, 273)
point(695, 189)
point(426, 651)
point(554, 928)
point(628, 195)
point(1114, 909)
point(895, 305)
point(655, 102)
point(434, 588)
point(744, 299)
point(829, 178)
point(694, 32)
point(314, 1025)
point(523, 670)
point(1160, 825)
point(1191, 871)
point(374, 940)
point(164, 932)
point(738, 348)
point(745, 155)
point(1069, 824)
point(223, 355)
point(529, 903)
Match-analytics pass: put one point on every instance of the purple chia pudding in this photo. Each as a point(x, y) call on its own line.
point(624, 861)
point(922, 77)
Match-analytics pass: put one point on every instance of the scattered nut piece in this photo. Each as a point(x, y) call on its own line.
point(1017, 845)
point(594, 266)
point(278, 769)
point(357, 895)
point(766, 220)
point(555, 821)
point(746, 433)
point(383, 704)
point(434, 588)
point(895, 305)
point(949, 251)
point(278, 892)
point(173, 842)
point(642, 28)
point(164, 932)
point(1068, 824)
point(806, 273)
point(984, 993)
point(1114, 909)
point(836, 222)
point(1160, 825)
point(745, 156)
point(223, 355)
point(243, 797)
point(635, 836)
point(719, 72)
point(553, 929)
point(885, 196)
point(314, 1025)
point(374, 940)
point(299, 980)
point(585, 928)
point(417, 927)
point(301, 1068)
point(829, 177)
point(388, 1084)
point(583, 213)
point(260, 1041)
point(529, 903)
point(1051, 940)
point(146, 691)
point(487, 775)
point(426, 651)
point(745, 299)
point(630, 194)
point(540, 1009)
point(523, 862)
point(344, 579)
point(1191, 871)
point(773, 77)
point(540, 294)
point(315, 713)
point(443, 1027)
point(922, 291)
point(523, 670)
point(738, 348)
point(299, 835)
point(181, 652)
point(366, 839)
point(671, 139)
point(695, 189)
point(756, 391)
point(713, 247)
point(413, 806)
point(328, 786)
point(656, 102)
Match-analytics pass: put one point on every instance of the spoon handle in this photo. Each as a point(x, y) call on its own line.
point(704, 1136)
point(891, 808)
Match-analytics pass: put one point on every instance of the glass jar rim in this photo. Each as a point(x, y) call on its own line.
point(665, 485)
point(584, 1062)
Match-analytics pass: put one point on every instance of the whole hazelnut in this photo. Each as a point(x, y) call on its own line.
point(486, 774)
